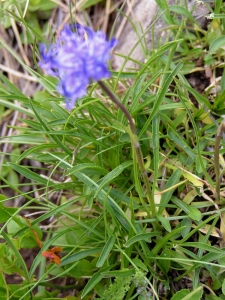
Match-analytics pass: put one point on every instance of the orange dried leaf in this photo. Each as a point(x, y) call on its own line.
point(52, 254)
point(34, 232)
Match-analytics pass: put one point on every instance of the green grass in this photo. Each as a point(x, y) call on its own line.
point(75, 177)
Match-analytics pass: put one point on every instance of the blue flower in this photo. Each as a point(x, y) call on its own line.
point(77, 57)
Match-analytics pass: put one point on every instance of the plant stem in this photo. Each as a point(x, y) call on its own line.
point(135, 144)
point(219, 135)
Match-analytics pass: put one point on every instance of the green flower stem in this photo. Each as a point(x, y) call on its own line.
point(135, 144)
point(219, 135)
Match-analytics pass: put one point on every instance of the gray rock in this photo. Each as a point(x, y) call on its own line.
point(143, 14)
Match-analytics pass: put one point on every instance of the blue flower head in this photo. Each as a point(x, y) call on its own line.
point(78, 56)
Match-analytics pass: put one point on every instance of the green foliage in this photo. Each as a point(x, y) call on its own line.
point(185, 294)
point(9, 262)
point(76, 177)
point(16, 7)
point(141, 284)
point(6, 212)
point(118, 289)
point(28, 239)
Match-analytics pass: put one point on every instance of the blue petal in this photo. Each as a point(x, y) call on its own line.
point(78, 56)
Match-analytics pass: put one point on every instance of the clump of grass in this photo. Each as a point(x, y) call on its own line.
point(75, 178)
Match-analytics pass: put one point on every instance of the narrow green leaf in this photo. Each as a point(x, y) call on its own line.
point(223, 287)
point(15, 107)
point(194, 213)
point(35, 149)
point(212, 256)
point(165, 264)
point(161, 243)
point(203, 246)
point(126, 75)
point(85, 167)
point(155, 147)
point(105, 252)
point(94, 280)
point(160, 51)
point(166, 197)
point(55, 138)
point(78, 256)
point(139, 264)
point(161, 96)
point(141, 237)
point(140, 91)
point(182, 11)
point(165, 223)
point(29, 174)
point(201, 99)
point(121, 273)
point(181, 144)
point(25, 139)
point(187, 223)
point(217, 44)
point(112, 175)
point(102, 196)
point(12, 87)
